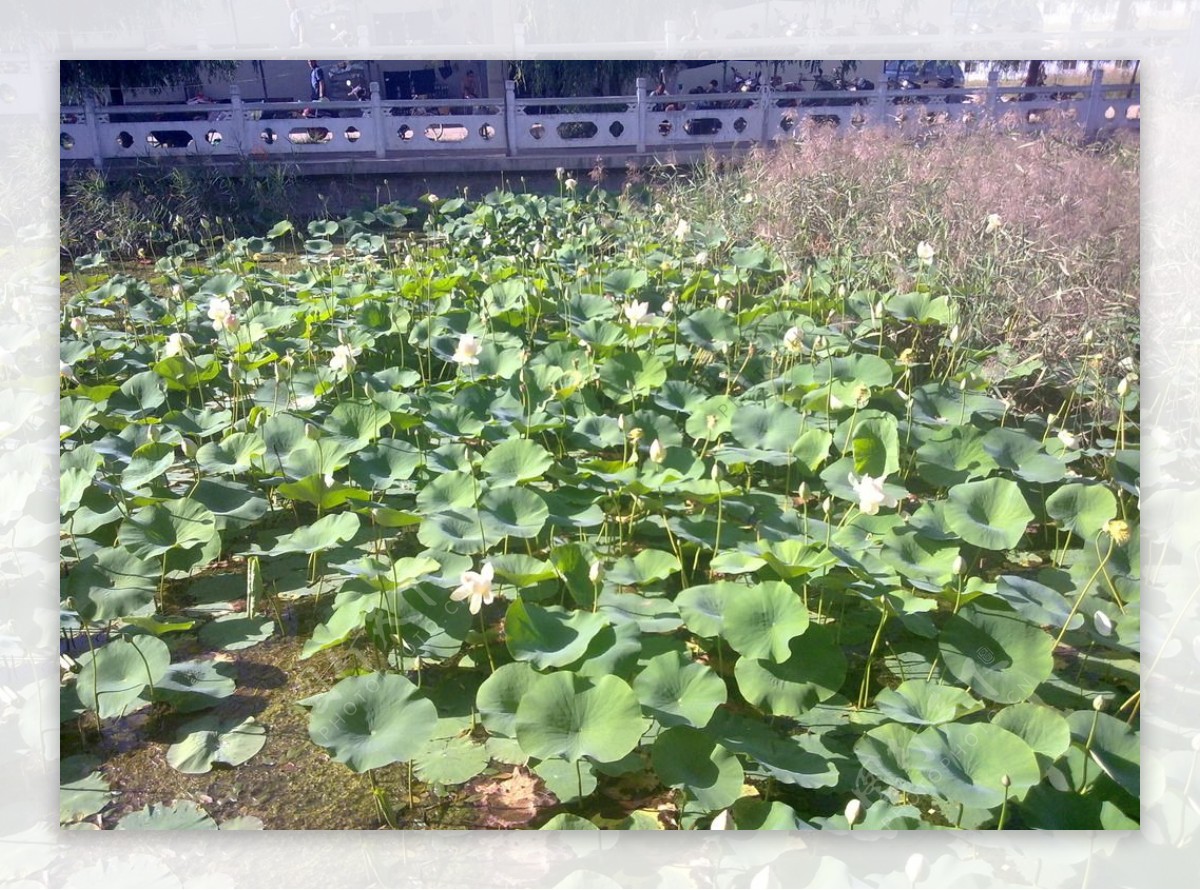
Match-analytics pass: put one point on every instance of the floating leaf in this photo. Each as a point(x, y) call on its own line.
point(676, 690)
point(371, 720)
point(569, 716)
point(549, 636)
point(182, 815)
point(812, 673)
point(209, 741)
point(761, 621)
point(991, 514)
point(925, 702)
point(112, 679)
point(998, 654)
point(690, 759)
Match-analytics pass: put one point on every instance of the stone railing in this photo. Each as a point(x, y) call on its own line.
point(516, 128)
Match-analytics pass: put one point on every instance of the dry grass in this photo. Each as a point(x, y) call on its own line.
point(1063, 261)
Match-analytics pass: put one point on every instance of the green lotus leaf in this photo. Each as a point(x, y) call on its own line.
point(138, 397)
point(194, 685)
point(500, 694)
point(1043, 729)
point(991, 514)
point(629, 376)
point(681, 397)
point(235, 453)
point(645, 568)
point(920, 307)
point(325, 533)
point(322, 492)
point(941, 403)
point(563, 779)
point(569, 822)
point(814, 671)
point(312, 457)
point(82, 789)
point(755, 814)
point(625, 281)
point(702, 607)
point(450, 761)
point(234, 632)
point(926, 564)
point(112, 679)
point(148, 463)
point(74, 412)
point(736, 562)
point(549, 636)
point(514, 512)
point(788, 760)
point(761, 621)
point(966, 763)
point(449, 491)
point(569, 716)
point(198, 422)
point(182, 815)
point(773, 428)
point(233, 503)
point(1082, 509)
point(1038, 603)
point(925, 702)
point(582, 307)
point(690, 759)
point(183, 372)
point(675, 690)
point(890, 754)
point(1115, 746)
point(710, 329)
point(209, 740)
point(357, 422)
point(649, 614)
point(954, 455)
point(711, 418)
point(371, 720)
point(1024, 455)
point(385, 462)
point(178, 524)
point(112, 583)
point(517, 460)
point(999, 655)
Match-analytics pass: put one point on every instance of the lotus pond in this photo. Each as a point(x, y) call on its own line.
point(568, 513)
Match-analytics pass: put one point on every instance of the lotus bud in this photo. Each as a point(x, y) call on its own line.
point(657, 451)
point(853, 811)
point(594, 572)
point(962, 385)
point(621, 423)
point(802, 492)
point(152, 433)
point(1122, 387)
point(1088, 336)
point(827, 506)
point(1050, 418)
point(715, 473)
point(702, 258)
point(559, 173)
point(79, 325)
point(959, 565)
point(311, 432)
point(1098, 703)
point(668, 307)
point(1005, 780)
point(724, 302)
point(1104, 625)
point(721, 822)
point(916, 869)
point(188, 447)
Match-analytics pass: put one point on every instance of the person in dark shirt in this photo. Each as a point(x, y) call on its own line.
point(317, 79)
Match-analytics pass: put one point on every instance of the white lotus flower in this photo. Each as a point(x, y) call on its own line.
point(993, 222)
point(793, 339)
point(725, 301)
point(636, 313)
point(925, 253)
point(65, 370)
point(871, 495)
point(570, 184)
point(1104, 625)
point(702, 258)
point(721, 822)
point(668, 307)
point(657, 451)
point(468, 349)
point(595, 571)
point(682, 230)
point(221, 314)
point(188, 447)
point(1067, 439)
point(476, 587)
point(177, 344)
point(343, 358)
point(79, 325)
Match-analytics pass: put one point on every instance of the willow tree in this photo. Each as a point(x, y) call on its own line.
point(96, 77)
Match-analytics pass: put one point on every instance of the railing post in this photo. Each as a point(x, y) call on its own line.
point(1091, 124)
point(89, 108)
point(766, 99)
point(510, 117)
point(993, 96)
point(640, 111)
point(238, 113)
point(881, 101)
point(377, 120)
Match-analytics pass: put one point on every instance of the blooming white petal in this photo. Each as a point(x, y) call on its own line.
point(79, 325)
point(725, 301)
point(343, 357)
point(925, 253)
point(721, 822)
point(682, 230)
point(476, 587)
point(702, 258)
point(853, 810)
point(668, 307)
point(871, 495)
point(793, 339)
point(177, 344)
point(65, 370)
point(657, 451)
point(993, 222)
point(468, 349)
point(219, 311)
point(636, 313)
point(570, 184)
point(1067, 439)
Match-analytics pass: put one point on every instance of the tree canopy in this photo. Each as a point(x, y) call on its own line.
point(80, 78)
